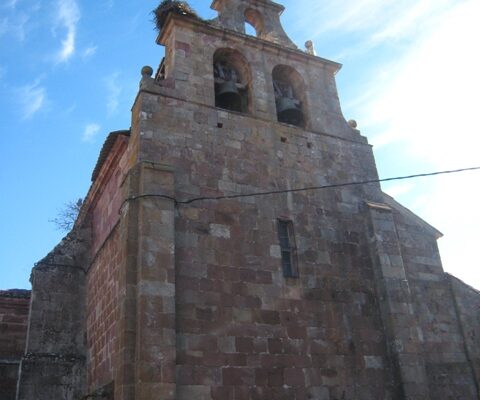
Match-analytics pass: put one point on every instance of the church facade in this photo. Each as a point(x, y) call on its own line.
point(202, 267)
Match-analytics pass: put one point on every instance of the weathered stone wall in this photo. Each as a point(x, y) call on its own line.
point(54, 361)
point(107, 254)
point(102, 313)
point(154, 251)
point(189, 62)
point(449, 372)
point(106, 194)
point(467, 306)
point(14, 305)
point(8, 378)
point(243, 330)
point(396, 303)
point(136, 265)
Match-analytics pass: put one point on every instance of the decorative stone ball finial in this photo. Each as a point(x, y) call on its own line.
point(147, 71)
point(310, 48)
point(352, 124)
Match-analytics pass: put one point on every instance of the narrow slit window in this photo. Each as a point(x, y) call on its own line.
point(288, 249)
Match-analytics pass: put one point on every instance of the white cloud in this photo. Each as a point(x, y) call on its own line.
point(89, 52)
point(15, 25)
point(114, 90)
point(413, 19)
point(453, 208)
point(68, 15)
point(426, 103)
point(90, 132)
point(385, 19)
point(32, 98)
point(429, 99)
point(368, 22)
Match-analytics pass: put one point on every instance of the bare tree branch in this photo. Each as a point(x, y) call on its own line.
point(67, 216)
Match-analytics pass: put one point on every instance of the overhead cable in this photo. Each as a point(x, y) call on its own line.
point(297, 190)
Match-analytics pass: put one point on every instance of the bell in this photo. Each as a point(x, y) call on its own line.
point(228, 96)
point(288, 111)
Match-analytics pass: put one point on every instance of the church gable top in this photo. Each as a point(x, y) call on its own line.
point(209, 28)
point(263, 15)
point(218, 4)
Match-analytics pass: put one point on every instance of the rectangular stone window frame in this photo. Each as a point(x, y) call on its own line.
point(288, 248)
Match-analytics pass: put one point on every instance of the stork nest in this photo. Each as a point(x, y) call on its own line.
point(166, 7)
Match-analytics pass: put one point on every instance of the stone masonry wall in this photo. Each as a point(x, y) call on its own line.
point(54, 363)
point(102, 313)
point(189, 63)
point(246, 332)
point(467, 305)
point(395, 297)
point(14, 306)
point(449, 372)
point(243, 330)
point(108, 197)
point(102, 287)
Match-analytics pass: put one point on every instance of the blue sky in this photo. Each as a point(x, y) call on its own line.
point(69, 72)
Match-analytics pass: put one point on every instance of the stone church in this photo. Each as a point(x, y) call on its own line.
point(218, 257)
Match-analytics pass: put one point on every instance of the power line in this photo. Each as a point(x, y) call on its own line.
point(370, 181)
point(297, 190)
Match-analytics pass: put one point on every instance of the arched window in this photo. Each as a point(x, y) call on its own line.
point(232, 80)
point(254, 19)
point(290, 99)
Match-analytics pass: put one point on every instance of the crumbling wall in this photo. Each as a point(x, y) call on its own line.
point(54, 364)
point(14, 305)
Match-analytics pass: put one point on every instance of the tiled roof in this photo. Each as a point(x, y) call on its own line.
point(16, 293)
point(107, 146)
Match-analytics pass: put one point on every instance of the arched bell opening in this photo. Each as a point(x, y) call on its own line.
point(254, 20)
point(250, 29)
point(289, 92)
point(232, 80)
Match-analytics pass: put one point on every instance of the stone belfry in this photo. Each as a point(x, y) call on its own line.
point(264, 16)
point(198, 267)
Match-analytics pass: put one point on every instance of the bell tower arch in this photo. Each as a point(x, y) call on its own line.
point(263, 15)
point(232, 80)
